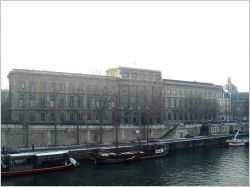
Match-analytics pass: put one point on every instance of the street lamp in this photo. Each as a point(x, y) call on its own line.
point(115, 113)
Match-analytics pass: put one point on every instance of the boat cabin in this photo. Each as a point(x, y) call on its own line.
point(34, 160)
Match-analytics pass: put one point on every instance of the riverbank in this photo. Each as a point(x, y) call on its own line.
point(54, 135)
point(81, 152)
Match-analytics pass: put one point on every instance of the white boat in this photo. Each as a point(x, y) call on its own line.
point(237, 142)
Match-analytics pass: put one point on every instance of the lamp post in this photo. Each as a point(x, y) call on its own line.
point(116, 125)
point(147, 121)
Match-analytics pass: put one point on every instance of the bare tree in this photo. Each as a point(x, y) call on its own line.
point(204, 107)
point(150, 104)
point(102, 100)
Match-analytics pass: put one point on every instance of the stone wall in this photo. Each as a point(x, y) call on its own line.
point(20, 136)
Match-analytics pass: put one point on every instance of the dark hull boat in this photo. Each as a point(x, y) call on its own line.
point(30, 163)
point(150, 153)
point(35, 170)
point(110, 157)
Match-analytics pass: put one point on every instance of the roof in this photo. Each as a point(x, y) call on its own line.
point(54, 73)
point(38, 153)
point(21, 154)
point(51, 153)
point(129, 68)
point(172, 81)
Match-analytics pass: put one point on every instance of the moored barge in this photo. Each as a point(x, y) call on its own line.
point(152, 152)
point(102, 157)
point(29, 163)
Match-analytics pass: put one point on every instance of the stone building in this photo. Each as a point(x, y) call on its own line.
point(5, 105)
point(239, 101)
point(124, 95)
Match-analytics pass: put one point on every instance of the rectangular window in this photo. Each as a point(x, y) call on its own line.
point(71, 101)
point(71, 116)
point(185, 93)
point(53, 97)
point(175, 92)
point(190, 104)
point(180, 103)
point(43, 100)
point(169, 103)
point(80, 116)
point(169, 92)
point(209, 95)
point(105, 116)
point(62, 86)
point(61, 102)
point(32, 100)
point(97, 116)
point(52, 116)
point(180, 93)
point(71, 87)
point(185, 104)
point(42, 116)
point(32, 85)
point(89, 102)
point(21, 97)
point(89, 116)
point(44, 85)
point(164, 103)
point(190, 93)
point(62, 117)
point(80, 102)
point(52, 101)
point(21, 85)
point(21, 101)
point(175, 103)
point(32, 117)
point(53, 86)
point(21, 116)
point(82, 88)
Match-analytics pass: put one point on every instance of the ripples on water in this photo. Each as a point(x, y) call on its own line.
point(202, 166)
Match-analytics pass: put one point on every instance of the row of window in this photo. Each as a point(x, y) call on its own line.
point(219, 129)
point(62, 116)
point(80, 116)
point(187, 116)
point(189, 103)
point(32, 85)
point(192, 93)
point(78, 101)
point(42, 100)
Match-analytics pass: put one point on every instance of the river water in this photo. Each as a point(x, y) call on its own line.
point(220, 166)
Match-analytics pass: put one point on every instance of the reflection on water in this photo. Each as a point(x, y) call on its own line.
point(201, 166)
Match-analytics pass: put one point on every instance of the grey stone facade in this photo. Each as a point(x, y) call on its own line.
point(125, 95)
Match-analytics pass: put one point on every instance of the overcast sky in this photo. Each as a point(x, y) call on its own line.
point(193, 41)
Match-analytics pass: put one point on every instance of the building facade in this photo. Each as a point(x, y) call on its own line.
point(124, 96)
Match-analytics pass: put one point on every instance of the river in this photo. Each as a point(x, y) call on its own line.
point(220, 166)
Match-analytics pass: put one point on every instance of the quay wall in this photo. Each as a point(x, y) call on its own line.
point(23, 136)
point(172, 145)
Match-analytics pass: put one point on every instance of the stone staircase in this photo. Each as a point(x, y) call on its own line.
point(169, 132)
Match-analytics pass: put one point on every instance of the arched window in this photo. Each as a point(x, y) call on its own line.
point(174, 116)
point(169, 116)
point(185, 116)
point(180, 116)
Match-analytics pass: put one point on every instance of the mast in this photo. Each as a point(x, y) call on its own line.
point(147, 134)
point(236, 134)
point(116, 125)
point(116, 136)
